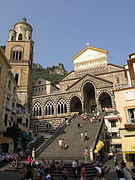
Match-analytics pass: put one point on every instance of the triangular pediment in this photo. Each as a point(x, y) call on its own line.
point(98, 82)
point(89, 57)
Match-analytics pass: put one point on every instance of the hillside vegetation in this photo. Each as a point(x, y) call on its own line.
point(52, 74)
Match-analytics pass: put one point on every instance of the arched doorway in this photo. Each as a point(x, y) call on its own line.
point(105, 100)
point(75, 105)
point(89, 98)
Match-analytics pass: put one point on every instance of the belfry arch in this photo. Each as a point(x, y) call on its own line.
point(105, 100)
point(75, 105)
point(89, 98)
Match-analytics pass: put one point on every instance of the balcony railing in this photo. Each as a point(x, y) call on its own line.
point(121, 86)
point(130, 124)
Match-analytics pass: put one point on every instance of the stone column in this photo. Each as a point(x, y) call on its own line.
point(55, 109)
point(68, 108)
point(83, 107)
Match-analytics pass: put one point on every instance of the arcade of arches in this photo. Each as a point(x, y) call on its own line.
point(89, 103)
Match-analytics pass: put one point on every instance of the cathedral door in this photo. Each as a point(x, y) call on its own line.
point(75, 105)
point(89, 98)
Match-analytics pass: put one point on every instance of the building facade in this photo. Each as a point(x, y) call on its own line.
point(88, 88)
point(4, 70)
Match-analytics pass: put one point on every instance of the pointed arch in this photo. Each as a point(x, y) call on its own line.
point(20, 37)
point(49, 107)
point(61, 105)
point(37, 109)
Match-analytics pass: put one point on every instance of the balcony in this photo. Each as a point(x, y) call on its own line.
point(121, 86)
point(130, 125)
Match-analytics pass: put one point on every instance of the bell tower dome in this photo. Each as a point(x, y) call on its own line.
point(19, 52)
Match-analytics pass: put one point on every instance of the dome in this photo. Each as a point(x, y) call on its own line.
point(12, 30)
point(23, 23)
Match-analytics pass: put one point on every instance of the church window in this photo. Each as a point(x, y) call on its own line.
point(14, 90)
point(39, 82)
point(52, 109)
point(49, 108)
point(9, 85)
point(40, 111)
point(37, 110)
point(58, 109)
point(16, 78)
point(118, 80)
point(65, 108)
point(6, 119)
point(62, 106)
point(20, 37)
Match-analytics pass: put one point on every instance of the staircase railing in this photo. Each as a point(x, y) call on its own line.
point(45, 144)
point(98, 131)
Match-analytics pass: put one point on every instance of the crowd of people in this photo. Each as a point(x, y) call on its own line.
point(123, 173)
point(32, 170)
point(93, 117)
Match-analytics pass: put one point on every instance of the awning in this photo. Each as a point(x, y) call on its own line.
point(113, 119)
point(128, 145)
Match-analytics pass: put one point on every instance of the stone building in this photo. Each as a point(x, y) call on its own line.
point(4, 69)
point(88, 88)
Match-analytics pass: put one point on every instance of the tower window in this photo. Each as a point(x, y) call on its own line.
point(17, 53)
point(12, 38)
point(20, 37)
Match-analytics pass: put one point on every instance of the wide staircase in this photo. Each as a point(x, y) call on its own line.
point(71, 134)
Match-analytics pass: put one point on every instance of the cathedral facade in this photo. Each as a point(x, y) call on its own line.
point(88, 88)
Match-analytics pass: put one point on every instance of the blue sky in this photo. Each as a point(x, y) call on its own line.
point(62, 28)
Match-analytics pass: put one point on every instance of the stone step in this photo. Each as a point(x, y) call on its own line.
point(71, 134)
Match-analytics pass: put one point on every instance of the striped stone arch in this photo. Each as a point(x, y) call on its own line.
point(73, 95)
point(105, 91)
point(36, 101)
point(88, 81)
point(75, 103)
point(49, 107)
point(61, 104)
point(105, 98)
point(37, 109)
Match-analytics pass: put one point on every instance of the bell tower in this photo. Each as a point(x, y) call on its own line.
point(19, 52)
